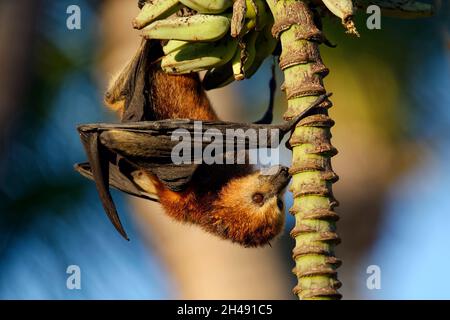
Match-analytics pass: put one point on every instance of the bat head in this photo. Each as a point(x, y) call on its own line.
point(251, 207)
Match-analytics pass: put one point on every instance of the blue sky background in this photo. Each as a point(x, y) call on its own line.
point(413, 249)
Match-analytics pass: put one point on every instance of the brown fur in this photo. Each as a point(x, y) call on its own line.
point(180, 96)
point(224, 205)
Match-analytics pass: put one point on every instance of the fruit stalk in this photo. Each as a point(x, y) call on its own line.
point(312, 175)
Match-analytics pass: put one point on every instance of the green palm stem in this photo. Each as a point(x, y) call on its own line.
point(312, 175)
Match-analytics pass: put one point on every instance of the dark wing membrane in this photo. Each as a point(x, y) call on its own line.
point(150, 144)
point(133, 84)
point(117, 180)
point(175, 177)
point(99, 162)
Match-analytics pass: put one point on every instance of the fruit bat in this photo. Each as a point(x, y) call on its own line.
point(115, 150)
point(232, 201)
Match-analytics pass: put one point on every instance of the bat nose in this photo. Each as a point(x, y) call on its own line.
point(282, 170)
point(282, 176)
point(277, 176)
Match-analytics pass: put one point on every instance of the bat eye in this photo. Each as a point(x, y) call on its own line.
point(280, 204)
point(258, 198)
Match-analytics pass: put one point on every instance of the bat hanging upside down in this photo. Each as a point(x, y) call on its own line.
point(235, 202)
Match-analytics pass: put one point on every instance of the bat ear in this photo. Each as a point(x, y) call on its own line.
point(99, 165)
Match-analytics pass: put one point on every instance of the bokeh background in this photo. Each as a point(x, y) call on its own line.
point(392, 110)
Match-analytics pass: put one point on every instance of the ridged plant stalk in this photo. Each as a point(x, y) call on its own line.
point(312, 175)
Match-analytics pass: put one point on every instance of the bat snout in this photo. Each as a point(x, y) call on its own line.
point(284, 171)
point(277, 176)
point(281, 179)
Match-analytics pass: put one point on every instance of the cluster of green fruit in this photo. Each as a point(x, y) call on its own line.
point(228, 38)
